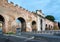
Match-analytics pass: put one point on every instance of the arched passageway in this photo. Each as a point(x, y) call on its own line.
point(34, 28)
point(2, 22)
point(21, 25)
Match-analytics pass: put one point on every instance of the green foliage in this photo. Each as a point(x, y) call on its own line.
point(10, 33)
point(50, 17)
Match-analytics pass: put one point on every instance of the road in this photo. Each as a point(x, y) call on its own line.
point(39, 38)
point(15, 39)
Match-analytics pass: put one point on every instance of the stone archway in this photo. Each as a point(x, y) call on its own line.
point(34, 27)
point(2, 22)
point(21, 24)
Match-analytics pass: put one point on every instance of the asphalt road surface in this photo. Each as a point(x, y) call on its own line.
point(39, 38)
point(4, 38)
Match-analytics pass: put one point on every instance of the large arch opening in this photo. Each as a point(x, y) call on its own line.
point(1, 23)
point(34, 27)
point(21, 25)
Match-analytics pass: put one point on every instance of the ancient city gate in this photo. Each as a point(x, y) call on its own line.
point(15, 18)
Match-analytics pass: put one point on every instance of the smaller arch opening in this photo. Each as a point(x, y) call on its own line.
point(34, 28)
point(33, 23)
point(41, 21)
point(49, 27)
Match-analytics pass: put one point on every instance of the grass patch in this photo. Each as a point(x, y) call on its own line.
point(10, 33)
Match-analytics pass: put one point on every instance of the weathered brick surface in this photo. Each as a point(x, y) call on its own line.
point(11, 13)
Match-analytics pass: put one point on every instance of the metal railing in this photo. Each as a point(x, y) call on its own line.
point(49, 31)
point(41, 32)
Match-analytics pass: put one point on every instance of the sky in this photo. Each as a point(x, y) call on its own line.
point(48, 7)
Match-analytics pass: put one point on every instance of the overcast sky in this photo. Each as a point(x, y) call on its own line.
point(48, 7)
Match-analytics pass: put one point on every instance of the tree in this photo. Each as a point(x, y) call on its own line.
point(50, 17)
